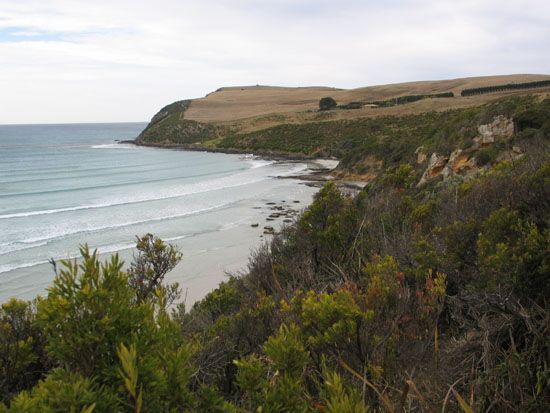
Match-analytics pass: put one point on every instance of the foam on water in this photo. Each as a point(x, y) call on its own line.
point(260, 163)
point(101, 249)
point(105, 249)
point(229, 182)
point(8, 247)
point(56, 234)
point(115, 146)
point(11, 267)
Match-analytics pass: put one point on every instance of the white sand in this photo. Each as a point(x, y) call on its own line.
point(203, 268)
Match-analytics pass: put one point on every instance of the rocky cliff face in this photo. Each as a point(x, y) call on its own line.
point(463, 161)
point(501, 127)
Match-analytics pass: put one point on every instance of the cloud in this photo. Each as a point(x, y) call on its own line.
point(69, 61)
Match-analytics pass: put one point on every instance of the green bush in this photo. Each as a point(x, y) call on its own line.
point(409, 99)
point(22, 355)
point(339, 397)
point(486, 156)
point(88, 312)
point(513, 252)
point(64, 391)
point(352, 105)
point(150, 265)
point(402, 176)
point(286, 351)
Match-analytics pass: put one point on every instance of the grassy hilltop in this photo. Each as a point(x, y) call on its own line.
point(257, 107)
point(427, 291)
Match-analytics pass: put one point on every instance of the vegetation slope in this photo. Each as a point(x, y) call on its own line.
point(405, 297)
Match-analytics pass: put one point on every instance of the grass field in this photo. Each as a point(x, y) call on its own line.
point(251, 108)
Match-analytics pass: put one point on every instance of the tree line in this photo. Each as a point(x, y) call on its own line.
point(504, 87)
point(409, 99)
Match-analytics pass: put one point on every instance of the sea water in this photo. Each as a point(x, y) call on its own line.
point(65, 185)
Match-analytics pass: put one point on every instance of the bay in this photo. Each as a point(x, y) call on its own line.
point(65, 185)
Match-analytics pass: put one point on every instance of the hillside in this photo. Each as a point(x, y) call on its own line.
point(426, 291)
point(286, 122)
point(237, 103)
point(247, 108)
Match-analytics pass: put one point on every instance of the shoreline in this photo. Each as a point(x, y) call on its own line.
point(268, 155)
point(316, 175)
point(229, 251)
point(202, 272)
point(209, 255)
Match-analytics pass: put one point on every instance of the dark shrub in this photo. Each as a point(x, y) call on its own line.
point(327, 103)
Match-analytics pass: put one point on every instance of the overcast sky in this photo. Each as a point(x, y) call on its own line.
point(118, 60)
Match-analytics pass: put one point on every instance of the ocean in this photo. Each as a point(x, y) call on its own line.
point(65, 185)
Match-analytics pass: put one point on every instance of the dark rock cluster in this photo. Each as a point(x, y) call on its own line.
point(278, 211)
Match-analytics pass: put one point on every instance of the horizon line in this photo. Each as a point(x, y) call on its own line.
point(69, 123)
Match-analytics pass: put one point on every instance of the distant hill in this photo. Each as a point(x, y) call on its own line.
point(370, 125)
point(237, 103)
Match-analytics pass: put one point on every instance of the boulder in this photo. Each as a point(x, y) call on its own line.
point(435, 168)
point(420, 155)
point(459, 160)
point(500, 127)
point(512, 155)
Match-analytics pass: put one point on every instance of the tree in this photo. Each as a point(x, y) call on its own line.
point(327, 103)
point(111, 344)
point(89, 310)
point(154, 259)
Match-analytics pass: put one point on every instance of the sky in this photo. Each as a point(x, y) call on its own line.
point(109, 61)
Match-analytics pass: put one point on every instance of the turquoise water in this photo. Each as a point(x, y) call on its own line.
point(63, 185)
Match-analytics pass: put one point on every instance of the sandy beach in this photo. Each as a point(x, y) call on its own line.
point(201, 270)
